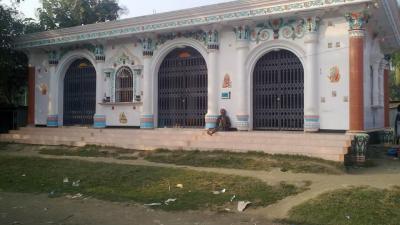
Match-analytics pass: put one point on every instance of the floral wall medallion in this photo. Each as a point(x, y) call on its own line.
point(122, 118)
point(334, 74)
point(227, 82)
point(43, 89)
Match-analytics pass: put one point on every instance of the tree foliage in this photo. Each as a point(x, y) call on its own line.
point(53, 14)
point(13, 64)
point(56, 14)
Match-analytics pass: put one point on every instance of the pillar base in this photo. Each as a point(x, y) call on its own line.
point(242, 122)
point(359, 146)
point(99, 121)
point(52, 121)
point(211, 121)
point(311, 123)
point(147, 121)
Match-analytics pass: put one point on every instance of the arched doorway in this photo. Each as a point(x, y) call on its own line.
point(182, 89)
point(278, 92)
point(79, 93)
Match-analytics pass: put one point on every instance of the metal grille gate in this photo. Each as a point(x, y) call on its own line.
point(278, 92)
point(182, 89)
point(79, 93)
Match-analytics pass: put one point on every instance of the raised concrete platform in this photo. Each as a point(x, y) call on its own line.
point(322, 145)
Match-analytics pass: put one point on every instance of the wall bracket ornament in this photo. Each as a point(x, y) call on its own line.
point(99, 53)
point(148, 46)
point(54, 57)
point(242, 33)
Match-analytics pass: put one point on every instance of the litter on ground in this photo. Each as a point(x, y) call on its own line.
point(169, 200)
point(242, 205)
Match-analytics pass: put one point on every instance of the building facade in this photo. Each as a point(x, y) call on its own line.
point(305, 65)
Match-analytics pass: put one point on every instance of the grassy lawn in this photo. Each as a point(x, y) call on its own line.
point(355, 206)
point(217, 159)
point(136, 183)
point(249, 161)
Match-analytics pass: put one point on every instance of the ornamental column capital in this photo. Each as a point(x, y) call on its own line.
point(357, 20)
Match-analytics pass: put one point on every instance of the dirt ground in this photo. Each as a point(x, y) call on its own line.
point(28, 209)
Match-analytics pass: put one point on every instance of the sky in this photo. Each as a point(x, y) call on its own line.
point(135, 7)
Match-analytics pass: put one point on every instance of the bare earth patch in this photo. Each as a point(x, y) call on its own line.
point(33, 209)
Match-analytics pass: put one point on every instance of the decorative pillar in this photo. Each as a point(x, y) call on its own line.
point(357, 22)
point(242, 49)
point(31, 95)
point(52, 117)
point(147, 116)
point(386, 95)
point(213, 98)
point(99, 119)
point(311, 78)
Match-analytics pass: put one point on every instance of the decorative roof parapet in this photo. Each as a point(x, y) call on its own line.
point(157, 23)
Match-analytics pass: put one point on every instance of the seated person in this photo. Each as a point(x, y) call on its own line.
point(223, 123)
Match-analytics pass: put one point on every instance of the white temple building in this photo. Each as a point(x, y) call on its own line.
point(298, 65)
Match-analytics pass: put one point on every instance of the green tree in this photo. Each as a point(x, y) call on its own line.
point(395, 77)
point(56, 14)
point(13, 64)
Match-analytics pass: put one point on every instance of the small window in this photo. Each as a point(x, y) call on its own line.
point(124, 85)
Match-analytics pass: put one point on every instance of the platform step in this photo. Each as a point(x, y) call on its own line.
point(322, 145)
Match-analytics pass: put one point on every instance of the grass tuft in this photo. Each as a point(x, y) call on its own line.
point(249, 161)
point(354, 206)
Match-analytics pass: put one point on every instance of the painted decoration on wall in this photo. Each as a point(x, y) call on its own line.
point(227, 82)
point(43, 89)
point(334, 74)
point(122, 118)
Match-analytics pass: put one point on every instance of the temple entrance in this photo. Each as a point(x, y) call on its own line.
point(79, 93)
point(182, 89)
point(278, 92)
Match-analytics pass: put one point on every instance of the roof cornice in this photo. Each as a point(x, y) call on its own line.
point(224, 12)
